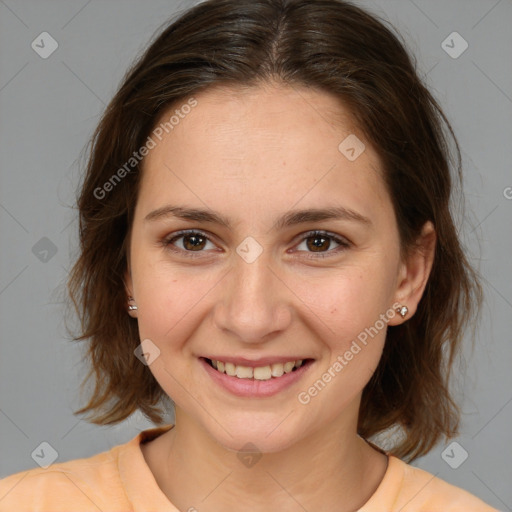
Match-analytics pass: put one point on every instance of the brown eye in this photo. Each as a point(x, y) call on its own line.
point(188, 242)
point(320, 242)
point(193, 242)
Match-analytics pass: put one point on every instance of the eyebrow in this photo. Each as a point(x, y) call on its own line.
point(289, 219)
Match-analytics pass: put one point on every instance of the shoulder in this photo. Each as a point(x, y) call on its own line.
point(115, 480)
point(421, 491)
point(70, 485)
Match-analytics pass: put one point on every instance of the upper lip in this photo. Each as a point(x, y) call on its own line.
point(254, 363)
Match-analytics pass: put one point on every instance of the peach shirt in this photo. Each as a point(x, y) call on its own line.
point(119, 480)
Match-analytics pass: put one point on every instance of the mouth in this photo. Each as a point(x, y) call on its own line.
point(256, 381)
point(263, 372)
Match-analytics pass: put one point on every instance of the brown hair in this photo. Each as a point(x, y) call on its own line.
point(328, 45)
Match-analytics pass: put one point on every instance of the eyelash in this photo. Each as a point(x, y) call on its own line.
point(343, 243)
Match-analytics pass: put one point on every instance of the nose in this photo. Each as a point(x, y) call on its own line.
point(254, 302)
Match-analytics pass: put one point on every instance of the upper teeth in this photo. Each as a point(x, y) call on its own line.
point(259, 373)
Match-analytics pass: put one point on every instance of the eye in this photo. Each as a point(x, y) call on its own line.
point(319, 244)
point(189, 242)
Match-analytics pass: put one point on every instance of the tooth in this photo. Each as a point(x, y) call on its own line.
point(244, 372)
point(288, 367)
point(262, 373)
point(258, 373)
point(229, 368)
point(277, 369)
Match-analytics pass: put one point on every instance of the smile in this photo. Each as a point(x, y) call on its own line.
point(265, 380)
point(267, 372)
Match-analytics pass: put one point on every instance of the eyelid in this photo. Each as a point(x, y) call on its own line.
point(342, 241)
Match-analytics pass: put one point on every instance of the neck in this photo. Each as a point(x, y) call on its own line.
point(332, 469)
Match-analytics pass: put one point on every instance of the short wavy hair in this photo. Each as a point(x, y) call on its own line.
point(328, 45)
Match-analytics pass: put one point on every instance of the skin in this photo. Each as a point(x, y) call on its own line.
point(254, 154)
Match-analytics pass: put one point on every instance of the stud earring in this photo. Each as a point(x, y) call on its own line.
point(402, 311)
point(131, 307)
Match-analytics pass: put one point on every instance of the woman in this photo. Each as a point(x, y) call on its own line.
point(266, 241)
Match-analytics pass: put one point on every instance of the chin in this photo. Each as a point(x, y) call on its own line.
point(268, 434)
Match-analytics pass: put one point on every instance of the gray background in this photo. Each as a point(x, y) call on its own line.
point(48, 110)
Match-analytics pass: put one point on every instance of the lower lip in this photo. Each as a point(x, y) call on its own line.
point(253, 388)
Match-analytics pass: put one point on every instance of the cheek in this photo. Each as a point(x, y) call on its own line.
point(346, 300)
point(170, 300)
point(170, 307)
point(351, 309)
point(352, 312)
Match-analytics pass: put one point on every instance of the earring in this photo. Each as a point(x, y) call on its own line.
point(402, 311)
point(130, 306)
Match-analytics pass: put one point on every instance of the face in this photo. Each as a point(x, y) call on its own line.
point(251, 282)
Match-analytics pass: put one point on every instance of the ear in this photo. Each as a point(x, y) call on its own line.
point(414, 273)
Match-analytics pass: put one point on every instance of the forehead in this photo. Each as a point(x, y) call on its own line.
point(265, 145)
